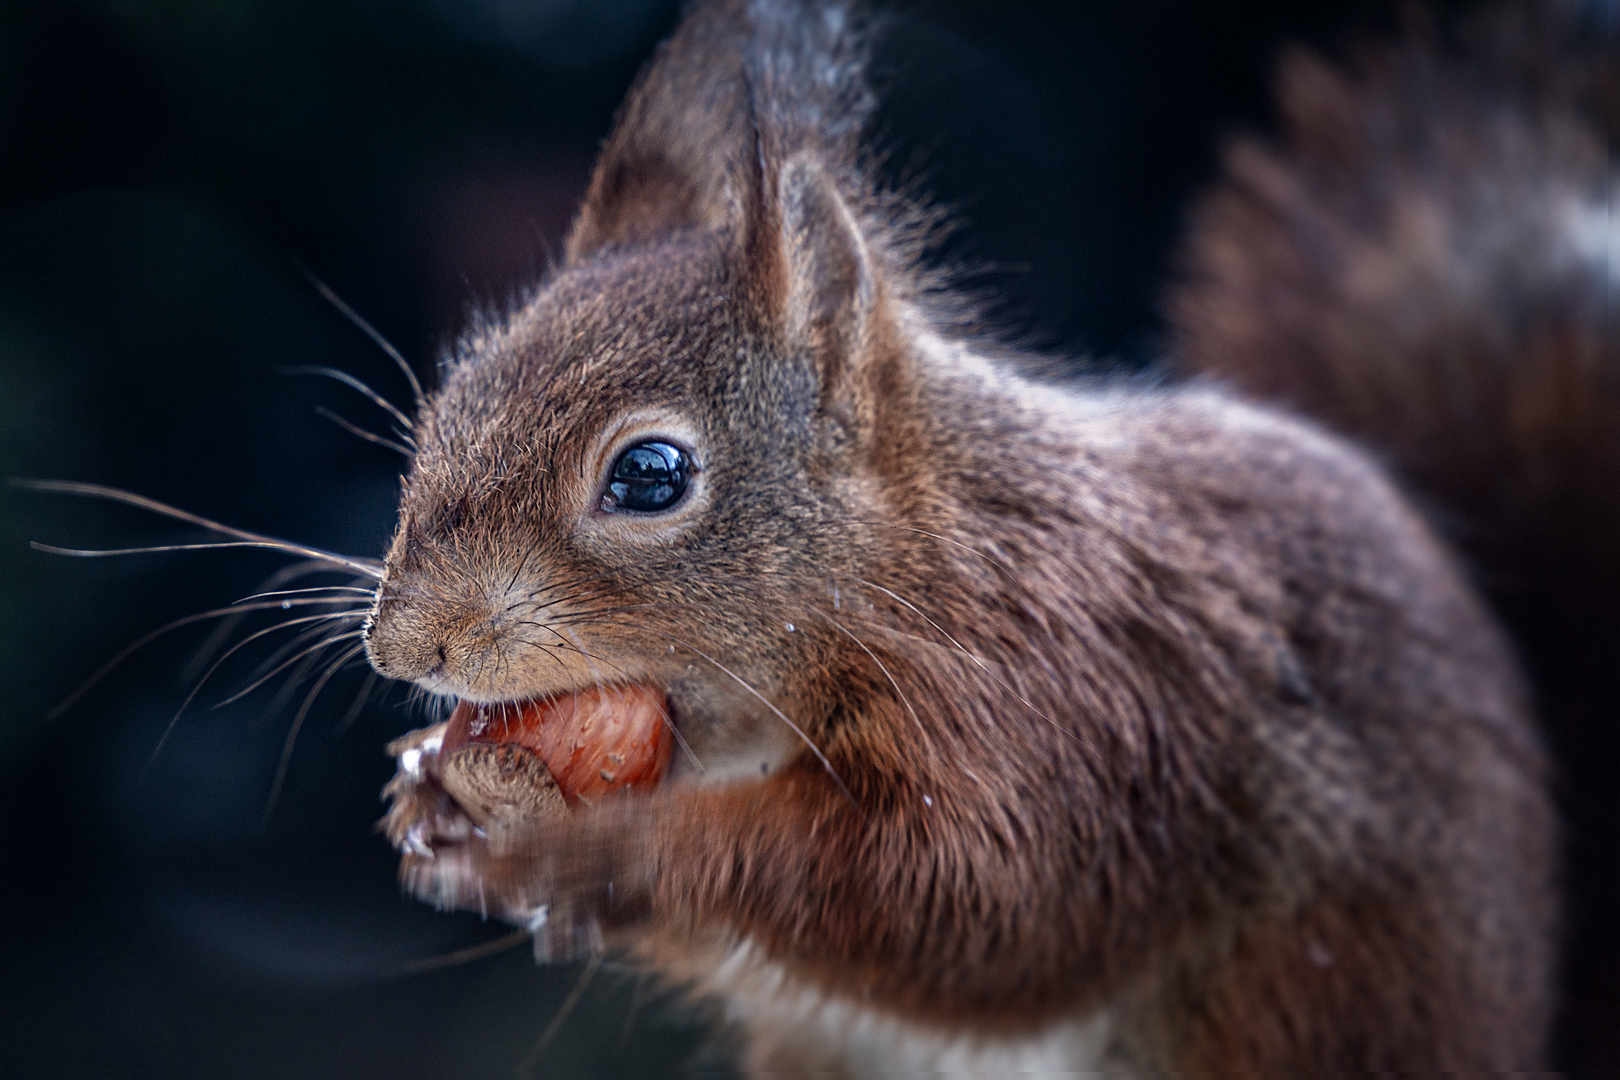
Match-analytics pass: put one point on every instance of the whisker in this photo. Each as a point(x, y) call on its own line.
point(663, 713)
point(310, 658)
point(353, 383)
point(298, 721)
point(369, 567)
point(462, 956)
point(323, 643)
point(636, 992)
point(371, 332)
point(881, 667)
point(152, 549)
point(582, 595)
point(152, 635)
point(596, 672)
point(942, 539)
point(545, 650)
point(287, 647)
point(591, 613)
point(195, 690)
point(360, 700)
point(222, 632)
point(780, 715)
point(574, 617)
point(965, 652)
point(361, 433)
point(314, 589)
point(526, 1066)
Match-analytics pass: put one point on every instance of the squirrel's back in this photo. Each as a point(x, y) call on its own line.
point(1425, 260)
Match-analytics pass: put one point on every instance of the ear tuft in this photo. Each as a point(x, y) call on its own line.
point(677, 141)
point(737, 75)
point(831, 289)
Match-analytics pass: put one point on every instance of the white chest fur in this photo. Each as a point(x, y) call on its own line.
point(795, 1029)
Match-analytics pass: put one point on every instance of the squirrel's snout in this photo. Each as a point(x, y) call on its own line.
point(445, 643)
point(407, 639)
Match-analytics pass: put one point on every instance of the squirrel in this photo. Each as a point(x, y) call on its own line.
point(1152, 725)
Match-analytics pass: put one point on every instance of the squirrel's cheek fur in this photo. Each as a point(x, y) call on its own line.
point(1022, 724)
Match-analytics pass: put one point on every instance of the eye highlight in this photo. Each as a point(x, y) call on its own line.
point(648, 477)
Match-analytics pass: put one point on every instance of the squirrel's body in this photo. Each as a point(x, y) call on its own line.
point(1226, 622)
point(1029, 725)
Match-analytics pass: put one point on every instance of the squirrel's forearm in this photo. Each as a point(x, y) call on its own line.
point(945, 907)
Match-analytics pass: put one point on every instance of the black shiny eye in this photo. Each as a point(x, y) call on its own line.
point(648, 477)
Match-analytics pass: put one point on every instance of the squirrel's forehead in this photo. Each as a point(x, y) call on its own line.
point(570, 360)
point(548, 405)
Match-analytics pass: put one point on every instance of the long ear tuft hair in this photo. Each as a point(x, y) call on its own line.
point(741, 87)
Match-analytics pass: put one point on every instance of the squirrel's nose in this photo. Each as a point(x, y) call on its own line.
point(402, 642)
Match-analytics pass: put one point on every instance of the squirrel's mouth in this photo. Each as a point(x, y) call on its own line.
point(594, 742)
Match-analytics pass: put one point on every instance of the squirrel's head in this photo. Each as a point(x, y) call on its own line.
point(673, 461)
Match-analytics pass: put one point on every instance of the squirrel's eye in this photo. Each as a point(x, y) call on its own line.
point(649, 476)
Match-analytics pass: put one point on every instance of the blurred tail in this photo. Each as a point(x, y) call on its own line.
point(1428, 260)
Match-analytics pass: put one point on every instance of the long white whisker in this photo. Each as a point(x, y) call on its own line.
point(312, 589)
point(309, 658)
point(369, 567)
point(461, 956)
point(152, 635)
point(361, 433)
point(763, 700)
point(297, 642)
point(669, 721)
point(526, 1066)
point(881, 667)
point(99, 553)
point(942, 539)
point(195, 690)
point(360, 700)
point(371, 332)
point(317, 647)
point(298, 721)
point(967, 653)
point(350, 381)
point(221, 633)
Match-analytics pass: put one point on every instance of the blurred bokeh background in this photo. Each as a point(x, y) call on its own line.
point(166, 169)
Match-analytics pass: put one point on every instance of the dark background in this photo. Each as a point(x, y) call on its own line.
point(165, 169)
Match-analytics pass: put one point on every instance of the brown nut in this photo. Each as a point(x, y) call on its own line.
point(592, 742)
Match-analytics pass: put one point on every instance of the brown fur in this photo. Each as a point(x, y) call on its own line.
point(1406, 264)
point(1126, 702)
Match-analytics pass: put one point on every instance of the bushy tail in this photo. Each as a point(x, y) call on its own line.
point(1428, 260)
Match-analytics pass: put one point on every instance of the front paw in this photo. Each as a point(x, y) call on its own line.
point(484, 829)
point(421, 813)
point(433, 832)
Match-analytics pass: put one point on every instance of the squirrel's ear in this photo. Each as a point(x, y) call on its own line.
point(816, 272)
point(679, 144)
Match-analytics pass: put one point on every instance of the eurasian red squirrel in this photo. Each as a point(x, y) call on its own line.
point(938, 714)
point(1030, 724)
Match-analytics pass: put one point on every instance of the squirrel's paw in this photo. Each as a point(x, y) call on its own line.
point(558, 877)
point(421, 814)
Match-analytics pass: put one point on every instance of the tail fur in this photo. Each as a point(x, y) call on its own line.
point(1428, 259)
